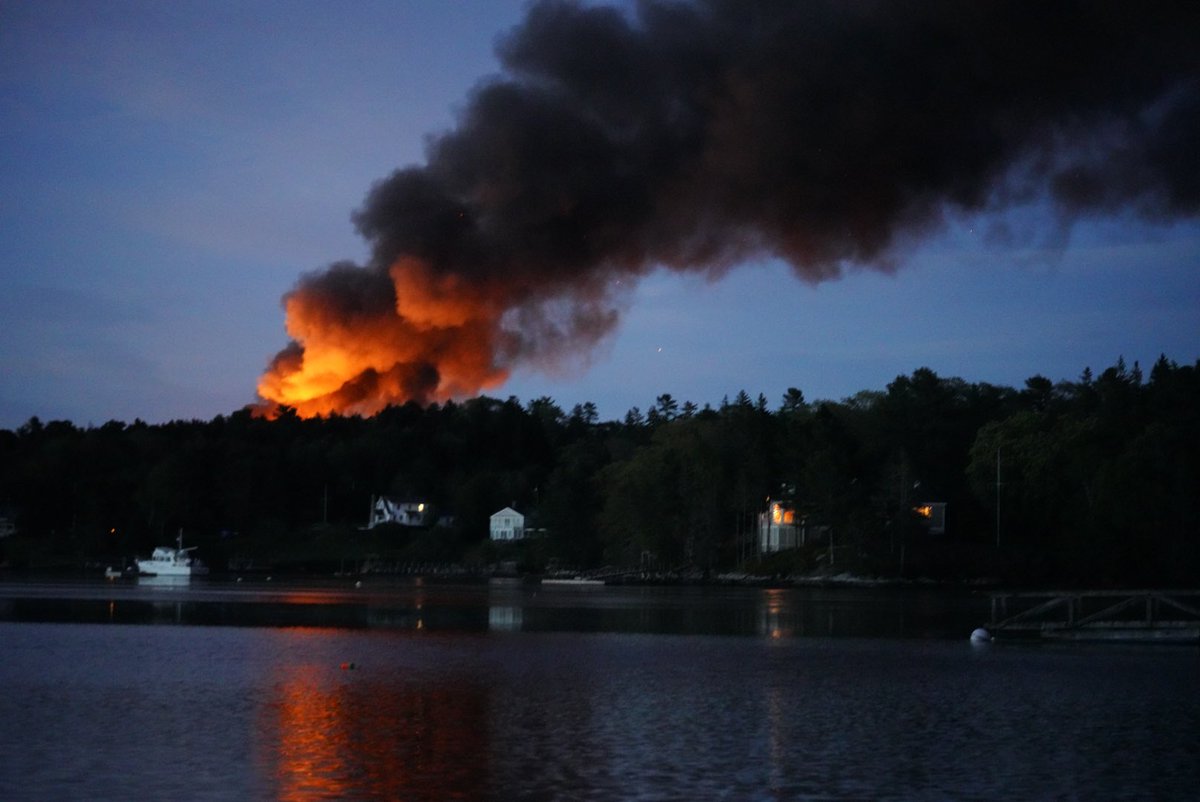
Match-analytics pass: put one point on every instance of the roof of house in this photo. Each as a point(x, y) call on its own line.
point(506, 511)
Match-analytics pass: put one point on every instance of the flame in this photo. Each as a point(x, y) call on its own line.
point(438, 340)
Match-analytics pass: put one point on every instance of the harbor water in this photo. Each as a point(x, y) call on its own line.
point(220, 691)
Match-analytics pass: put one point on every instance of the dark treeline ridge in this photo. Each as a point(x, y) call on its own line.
point(1098, 482)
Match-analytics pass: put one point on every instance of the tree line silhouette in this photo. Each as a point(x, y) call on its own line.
point(1089, 482)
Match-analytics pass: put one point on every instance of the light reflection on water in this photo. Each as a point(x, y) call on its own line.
point(353, 736)
point(477, 693)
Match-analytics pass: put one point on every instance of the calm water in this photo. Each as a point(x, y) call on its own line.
point(215, 691)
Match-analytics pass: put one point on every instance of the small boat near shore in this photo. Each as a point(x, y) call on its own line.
point(175, 562)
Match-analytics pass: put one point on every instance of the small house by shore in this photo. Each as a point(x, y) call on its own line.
point(507, 524)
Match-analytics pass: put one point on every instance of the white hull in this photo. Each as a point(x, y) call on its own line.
point(162, 568)
point(167, 561)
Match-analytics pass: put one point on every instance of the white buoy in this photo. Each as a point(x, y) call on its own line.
point(981, 635)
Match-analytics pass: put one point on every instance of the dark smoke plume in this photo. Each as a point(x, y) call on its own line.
point(693, 136)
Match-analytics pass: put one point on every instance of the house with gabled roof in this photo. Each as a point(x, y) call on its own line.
point(507, 524)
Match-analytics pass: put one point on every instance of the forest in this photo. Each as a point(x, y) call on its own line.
point(1093, 482)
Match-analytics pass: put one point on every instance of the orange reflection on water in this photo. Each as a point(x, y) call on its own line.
point(351, 734)
point(776, 618)
point(309, 740)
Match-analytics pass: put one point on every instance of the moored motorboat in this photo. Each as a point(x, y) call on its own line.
point(168, 561)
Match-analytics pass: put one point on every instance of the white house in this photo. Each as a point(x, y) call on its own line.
point(386, 510)
point(508, 524)
point(779, 527)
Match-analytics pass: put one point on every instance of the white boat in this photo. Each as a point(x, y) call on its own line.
point(167, 561)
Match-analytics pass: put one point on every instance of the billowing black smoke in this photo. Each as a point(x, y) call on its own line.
point(697, 135)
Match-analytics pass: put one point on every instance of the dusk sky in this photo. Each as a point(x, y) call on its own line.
point(172, 169)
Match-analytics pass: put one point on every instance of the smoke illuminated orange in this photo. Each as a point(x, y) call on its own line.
point(437, 341)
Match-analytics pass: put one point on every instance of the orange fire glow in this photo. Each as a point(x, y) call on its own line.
point(438, 341)
point(782, 515)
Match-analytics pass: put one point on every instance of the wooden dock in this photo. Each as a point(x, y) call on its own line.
point(1106, 615)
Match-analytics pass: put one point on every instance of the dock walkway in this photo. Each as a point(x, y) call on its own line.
point(1127, 615)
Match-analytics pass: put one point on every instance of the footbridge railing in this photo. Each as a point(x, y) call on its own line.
point(1098, 614)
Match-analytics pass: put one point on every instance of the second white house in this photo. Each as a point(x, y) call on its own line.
point(508, 524)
